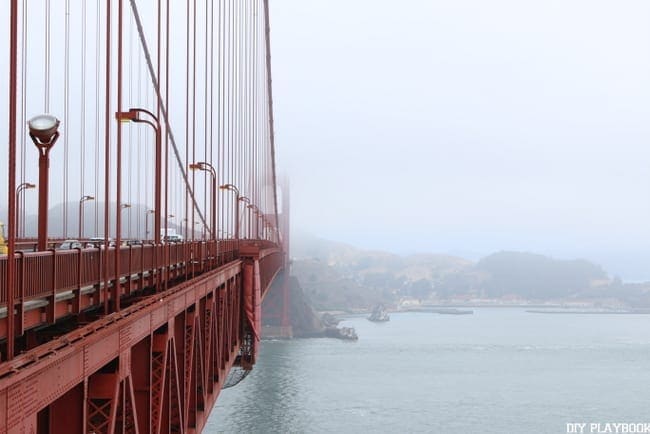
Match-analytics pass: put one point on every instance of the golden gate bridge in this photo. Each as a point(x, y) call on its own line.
point(128, 305)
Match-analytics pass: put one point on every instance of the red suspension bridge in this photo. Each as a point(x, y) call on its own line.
point(128, 305)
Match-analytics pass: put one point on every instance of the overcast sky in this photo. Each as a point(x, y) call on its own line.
point(468, 126)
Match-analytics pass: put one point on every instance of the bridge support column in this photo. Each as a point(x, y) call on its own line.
point(252, 304)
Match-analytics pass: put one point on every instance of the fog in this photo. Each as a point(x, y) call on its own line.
point(468, 127)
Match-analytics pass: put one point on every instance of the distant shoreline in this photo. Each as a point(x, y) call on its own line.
point(530, 308)
point(591, 312)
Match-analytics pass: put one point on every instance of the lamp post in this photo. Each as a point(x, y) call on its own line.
point(133, 115)
point(122, 208)
point(20, 189)
point(169, 217)
point(207, 167)
point(43, 129)
point(248, 201)
point(265, 225)
point(81, 213)
point(231, 187)
point(256, 210)
point(184, 228)
point(261, 231)
point(146, 222)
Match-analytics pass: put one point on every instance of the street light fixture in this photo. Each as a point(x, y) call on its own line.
point(248, 201)
point(133, 115)
point(122, 208)
point(194, 230)
point(184, 226)
point(256, 210)
point(43, 129)
point(231, 187)
point(207, 167)
point(81, 214)
point(146, 222)
point(20, 189)
point(166, 230)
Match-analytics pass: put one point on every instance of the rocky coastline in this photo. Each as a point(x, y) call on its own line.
point(305, 321)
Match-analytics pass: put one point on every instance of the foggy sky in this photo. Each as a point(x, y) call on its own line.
point(467, 126)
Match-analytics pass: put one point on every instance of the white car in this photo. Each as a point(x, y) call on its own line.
point(70, 244)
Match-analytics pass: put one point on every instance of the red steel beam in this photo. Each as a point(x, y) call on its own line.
point(157, 366)
point(53, 273)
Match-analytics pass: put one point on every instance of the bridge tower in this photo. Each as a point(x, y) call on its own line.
point(277, 306)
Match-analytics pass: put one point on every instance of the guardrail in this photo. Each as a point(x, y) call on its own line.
point(47, 273)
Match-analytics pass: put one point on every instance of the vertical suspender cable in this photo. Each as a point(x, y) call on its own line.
point(229, 105)
point(221, 154)
point(116, 289)
point(11, 181)
point(82, 101)
point(47, 58)
point(130, 157)
point(167, 104)
point(159, 102)
point(140, 164)
point(143, 149)
point(211, 143)
point(168, 258)
point(205, 116)
point(193, 106)
point(66, 114)
point(244, 92)
point(107, 154)
point(97, 116)
point(23, 118)
point(186, 214)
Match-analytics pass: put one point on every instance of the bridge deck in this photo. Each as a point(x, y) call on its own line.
point(164, 358)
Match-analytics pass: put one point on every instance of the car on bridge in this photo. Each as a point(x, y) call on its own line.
point(70, 244)
point(173, 238)
point(98, 243)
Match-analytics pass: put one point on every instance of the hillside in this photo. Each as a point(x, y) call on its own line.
point(337, 276)
point(536, 276)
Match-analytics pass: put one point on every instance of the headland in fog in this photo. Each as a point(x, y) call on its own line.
point(336, 276)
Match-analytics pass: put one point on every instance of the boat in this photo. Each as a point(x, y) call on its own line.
point(379, 314)
point(345, 333)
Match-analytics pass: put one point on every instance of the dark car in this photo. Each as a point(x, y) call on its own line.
point(98, 243)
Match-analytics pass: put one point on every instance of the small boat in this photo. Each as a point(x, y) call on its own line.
point(348, 333)
point(379, 314)
point(345, 333)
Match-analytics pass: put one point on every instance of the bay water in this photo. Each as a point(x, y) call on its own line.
point(500, 370)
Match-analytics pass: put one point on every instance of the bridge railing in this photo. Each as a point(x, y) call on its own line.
point(41, 274)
